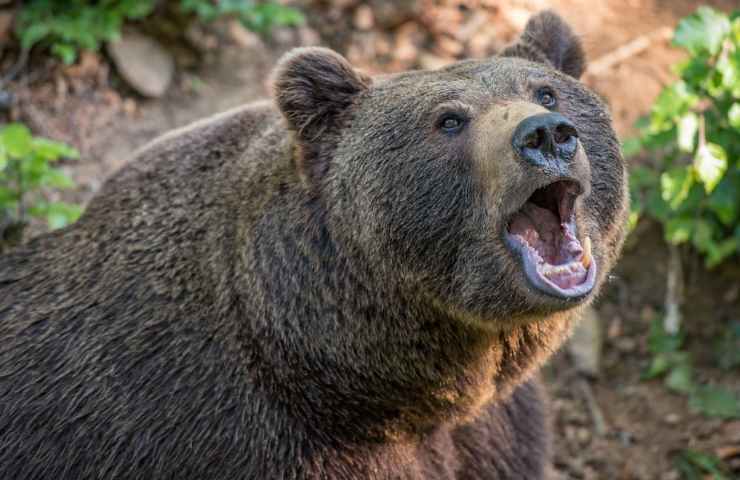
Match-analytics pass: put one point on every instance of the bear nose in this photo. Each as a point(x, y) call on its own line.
point(545, 138)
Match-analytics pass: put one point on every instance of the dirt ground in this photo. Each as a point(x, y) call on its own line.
point(645, 426)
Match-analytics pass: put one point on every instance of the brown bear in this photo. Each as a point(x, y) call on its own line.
point(357, 280)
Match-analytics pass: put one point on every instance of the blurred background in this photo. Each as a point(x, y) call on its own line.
point(648, 388)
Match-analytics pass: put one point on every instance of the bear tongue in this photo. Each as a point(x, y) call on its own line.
point(541, 229)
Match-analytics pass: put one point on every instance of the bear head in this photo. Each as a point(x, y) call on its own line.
point(494, 188)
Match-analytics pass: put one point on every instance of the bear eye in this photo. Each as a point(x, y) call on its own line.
point(451, 123)
point(546, 98)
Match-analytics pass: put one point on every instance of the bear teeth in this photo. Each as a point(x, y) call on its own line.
point(586, 258)
point(555, 270)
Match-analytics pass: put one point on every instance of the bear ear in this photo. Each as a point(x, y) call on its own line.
point(548, 39)
point(313, 86)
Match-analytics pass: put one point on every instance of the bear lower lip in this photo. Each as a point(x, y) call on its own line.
point(573, 279)
point(543, 233)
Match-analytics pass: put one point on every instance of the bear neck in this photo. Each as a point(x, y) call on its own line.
point(356, 356)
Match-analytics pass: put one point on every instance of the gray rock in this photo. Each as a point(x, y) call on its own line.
point(585, 344)
point(143, 63)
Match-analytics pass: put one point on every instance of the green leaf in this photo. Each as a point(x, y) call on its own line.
point(680, 378)
point(702, 31)
point(60, 214)
point(3, 157)
point(729, 67)
point(717, 252)
point(694, 70)
point(16, 139)
point(8, 197)
point(659, 365)
point(33, 34)
point(660, 341)
point(725, 200)
point(728, 347)
point(633, 218)
point(710, 163)
point(66, 52)
point(694, 465)
point(672, 102)
point(58, 179)
point(688, 125)
point(715, 402)
point(733, 115)
point(678, 230)
point(51, 150)
point(702, 234)
point(675, 185)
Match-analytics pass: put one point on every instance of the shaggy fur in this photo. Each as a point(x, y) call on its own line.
point(315, 288)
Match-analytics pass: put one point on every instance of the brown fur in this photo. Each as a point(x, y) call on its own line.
point(314, 291)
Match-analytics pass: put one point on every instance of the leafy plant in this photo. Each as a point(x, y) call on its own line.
point(674, 365)
point(256, 16)
point(693, 130)
point(68, 26)
point(26, 171)
point(695, 465)
point(728, 347)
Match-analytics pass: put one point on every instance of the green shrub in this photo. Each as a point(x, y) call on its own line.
point(693, 133)
point(256, 16)
point(68, 26)
point(25, 174)
point(695, 465)
point(675, 366)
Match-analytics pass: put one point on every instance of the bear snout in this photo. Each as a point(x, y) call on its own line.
point(546, 140)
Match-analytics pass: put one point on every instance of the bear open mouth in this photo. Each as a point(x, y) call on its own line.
point(544, 233)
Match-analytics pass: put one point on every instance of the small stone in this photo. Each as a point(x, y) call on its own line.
point(308, 36)
point(449, 46)
point(283, 36)
point(626, 344)
point(243, 37)
point(626, 438)
point(583, 435)
point(615, 328)
point(728, 451)
point(198, 37)
point(364, 18)
point(671, 475)
point(143, 63)
point(647, 314)
point(87, 65)
point(732, 294)
point(672, 418)
point(6, 100)
point(708, 428)
point(130, 107)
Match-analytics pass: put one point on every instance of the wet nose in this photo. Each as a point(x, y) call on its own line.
point(546, 138)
